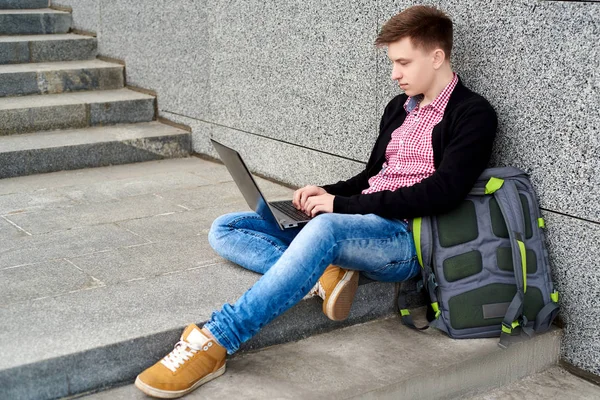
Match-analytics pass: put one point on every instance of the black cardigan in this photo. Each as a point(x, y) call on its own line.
point(462, 145)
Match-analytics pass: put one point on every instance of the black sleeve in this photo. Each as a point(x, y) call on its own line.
point(466, 155)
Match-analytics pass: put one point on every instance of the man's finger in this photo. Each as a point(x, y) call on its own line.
point(302, 196)
point(311, 203)
point(296, 200)
point(303, 199)
point(315, 210)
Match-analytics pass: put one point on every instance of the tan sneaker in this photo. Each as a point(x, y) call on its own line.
point(337, 288)
point(195, 360)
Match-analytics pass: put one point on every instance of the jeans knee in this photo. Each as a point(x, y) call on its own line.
point(323, 223)
point(217, 228)
point(212, 237)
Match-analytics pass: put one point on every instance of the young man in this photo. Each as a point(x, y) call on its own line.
point(434, 141)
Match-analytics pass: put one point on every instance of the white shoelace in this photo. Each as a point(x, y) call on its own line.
point(317, 290)
point(180, 354)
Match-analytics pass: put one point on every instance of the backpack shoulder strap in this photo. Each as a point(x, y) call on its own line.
point(507, 197)
point(423, 237)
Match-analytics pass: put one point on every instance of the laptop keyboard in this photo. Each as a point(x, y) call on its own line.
point(288, 209)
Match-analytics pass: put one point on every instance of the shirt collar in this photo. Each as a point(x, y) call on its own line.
point(440, 102)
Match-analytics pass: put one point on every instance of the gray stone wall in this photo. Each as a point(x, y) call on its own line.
point(299, 88)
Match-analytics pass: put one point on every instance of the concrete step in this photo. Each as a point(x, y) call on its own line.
point(554, 383)
point(41, 152)
point(44, 48)
point(74, 110)
point(37, 21)
point(102, 268)
point(59, 77)
point(376, 360)
point(21, 4)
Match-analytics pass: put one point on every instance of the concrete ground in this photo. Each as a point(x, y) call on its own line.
point(95, 263)
point(554, 383)
point(100, 268)
point(376, 360)
point(67, 232)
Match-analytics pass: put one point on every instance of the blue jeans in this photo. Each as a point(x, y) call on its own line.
point(292, 261)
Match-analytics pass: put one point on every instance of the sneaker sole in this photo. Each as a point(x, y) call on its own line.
point(340, 301)
point(173, 394)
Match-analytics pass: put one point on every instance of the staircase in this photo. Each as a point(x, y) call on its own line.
point(70, 332)
point(61, 108)
point(380, 360)
point(109, 265)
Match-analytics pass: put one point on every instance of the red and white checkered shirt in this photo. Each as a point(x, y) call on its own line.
point(409, 154)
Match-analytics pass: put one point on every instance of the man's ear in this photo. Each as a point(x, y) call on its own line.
point(438, 58)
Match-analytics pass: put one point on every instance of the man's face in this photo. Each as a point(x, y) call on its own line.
point(412, 67)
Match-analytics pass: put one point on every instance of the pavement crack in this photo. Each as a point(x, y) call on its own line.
point(136, 234)
point(164, 214)
point(93, 282)
point(16, 226)
point(135, 279)
point(62, 294)
point(18, 266)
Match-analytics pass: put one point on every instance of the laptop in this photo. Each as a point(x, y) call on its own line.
point(283, 213)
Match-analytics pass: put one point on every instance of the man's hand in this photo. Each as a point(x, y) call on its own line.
point(319, 204)
point(312, 200)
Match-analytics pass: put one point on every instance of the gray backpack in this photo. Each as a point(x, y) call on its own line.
point(485, 265)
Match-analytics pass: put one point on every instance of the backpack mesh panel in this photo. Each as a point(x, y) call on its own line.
point(458, 226)
point(466, 309)
point(463, 265)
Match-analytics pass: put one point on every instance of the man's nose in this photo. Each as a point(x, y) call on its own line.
point(396, 75)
